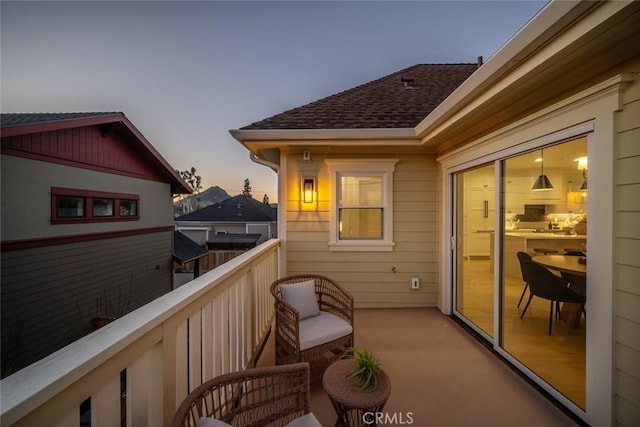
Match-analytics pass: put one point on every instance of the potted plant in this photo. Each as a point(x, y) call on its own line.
point(366, 373)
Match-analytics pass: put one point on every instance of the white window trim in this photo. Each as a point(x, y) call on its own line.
point(383, 167)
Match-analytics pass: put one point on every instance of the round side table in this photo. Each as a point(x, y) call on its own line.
point(354, 407)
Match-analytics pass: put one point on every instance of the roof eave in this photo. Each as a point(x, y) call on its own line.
point(543, 27)
point(178, 185)
point(259, 139)
point(53, 125)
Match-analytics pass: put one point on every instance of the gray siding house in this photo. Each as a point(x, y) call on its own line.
point(87, 228)
point(236, 215)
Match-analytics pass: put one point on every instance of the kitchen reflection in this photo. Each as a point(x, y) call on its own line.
point(543, 208)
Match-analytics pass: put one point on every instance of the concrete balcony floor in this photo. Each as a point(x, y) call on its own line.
point(440, 374)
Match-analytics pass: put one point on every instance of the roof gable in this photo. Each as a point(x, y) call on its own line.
point(234, 209)
point(398, 100)
point(106, 142)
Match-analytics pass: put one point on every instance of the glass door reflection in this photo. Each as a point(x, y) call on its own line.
point(474, 293)
point(540, 222)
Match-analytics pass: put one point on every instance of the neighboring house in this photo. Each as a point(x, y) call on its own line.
point(369, 180)
point(236, 215)
point(87, 227)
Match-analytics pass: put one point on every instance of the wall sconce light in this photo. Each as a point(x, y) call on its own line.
point(542, 183)
point(308, 189)
point(582, 165)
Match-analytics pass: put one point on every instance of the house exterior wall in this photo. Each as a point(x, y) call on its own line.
point(611, 106)
point(56, 277)
point(26, 199)
point(49, 294)
point(376, 279)
point(627, 266)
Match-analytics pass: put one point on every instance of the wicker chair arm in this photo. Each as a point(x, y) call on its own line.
point(288, 328)
point(335, 299)
point(277, 394)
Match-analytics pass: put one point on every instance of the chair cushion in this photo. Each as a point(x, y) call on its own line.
point(321, 329)
point(302, 297)
point(308, 420)
point(212, 422)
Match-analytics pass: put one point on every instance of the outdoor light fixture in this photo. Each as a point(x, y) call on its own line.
point(542, 183)
point(582, 165)
point(308, 188)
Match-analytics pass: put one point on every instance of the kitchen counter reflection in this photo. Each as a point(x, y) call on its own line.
point(528, 241)
point(544, 235)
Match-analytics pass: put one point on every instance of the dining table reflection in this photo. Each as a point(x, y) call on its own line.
point(574, 269)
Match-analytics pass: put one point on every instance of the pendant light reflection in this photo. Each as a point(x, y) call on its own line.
point(582, 165)
point(542, 183)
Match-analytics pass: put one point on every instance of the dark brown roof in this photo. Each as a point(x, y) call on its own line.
point(399, 100)
point(21, 119)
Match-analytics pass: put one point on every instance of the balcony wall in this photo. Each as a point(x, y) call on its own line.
point(211, 325)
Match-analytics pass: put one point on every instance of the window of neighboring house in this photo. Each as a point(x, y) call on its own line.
point(362, 201)
point(70, 205)
point(102, 207)
point(128, 208)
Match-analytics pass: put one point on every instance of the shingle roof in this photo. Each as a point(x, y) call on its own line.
point(234, 209)
point(399, 100)
point(20, 119)
point(185, 249)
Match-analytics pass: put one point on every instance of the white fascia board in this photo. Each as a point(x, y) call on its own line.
point(551, 20)
point(308, 137)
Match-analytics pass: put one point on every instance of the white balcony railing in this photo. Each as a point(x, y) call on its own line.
point(209, 326)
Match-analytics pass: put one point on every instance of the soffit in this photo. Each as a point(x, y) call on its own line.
point(563, 70)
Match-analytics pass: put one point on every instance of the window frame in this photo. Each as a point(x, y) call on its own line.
point(88, 196)
point(362, 167)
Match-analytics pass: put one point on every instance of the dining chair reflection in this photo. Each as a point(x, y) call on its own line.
point(546, 285)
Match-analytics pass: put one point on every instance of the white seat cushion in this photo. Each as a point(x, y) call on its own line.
point(302, 297)
point(321, 329)
point(308, 420)
point(212, 422)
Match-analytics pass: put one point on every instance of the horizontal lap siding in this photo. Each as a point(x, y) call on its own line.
point(50, 294)
point(370, 276)
point(627, 269)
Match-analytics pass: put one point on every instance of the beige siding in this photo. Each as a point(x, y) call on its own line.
point(627, 268)
point(376, 279)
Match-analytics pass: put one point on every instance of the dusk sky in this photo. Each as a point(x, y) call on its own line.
point(185, 73)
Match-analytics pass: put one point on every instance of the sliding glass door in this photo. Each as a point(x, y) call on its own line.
point(474, 291)
point(546, 223)
point(540, 199)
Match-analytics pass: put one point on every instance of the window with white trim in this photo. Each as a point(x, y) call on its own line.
point(361, 204)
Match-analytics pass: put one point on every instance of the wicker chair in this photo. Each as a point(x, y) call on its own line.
point(274, 396)
point(334, 303)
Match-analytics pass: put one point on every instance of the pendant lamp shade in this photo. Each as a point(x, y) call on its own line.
point(583, 187)
point(542, 183)
point(582, 165)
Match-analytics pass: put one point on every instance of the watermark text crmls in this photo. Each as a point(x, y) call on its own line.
point(387, 418)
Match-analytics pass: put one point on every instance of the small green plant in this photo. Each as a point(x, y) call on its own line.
point(367, 370)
